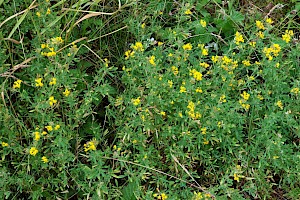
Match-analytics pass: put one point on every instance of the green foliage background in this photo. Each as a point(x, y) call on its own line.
point(128, 129)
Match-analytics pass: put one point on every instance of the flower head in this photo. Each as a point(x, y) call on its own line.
point(33, 151)
point(53, 81)
point(187, 46)
point(260, 25)
point(136, 101)
point(45, 159)
point(238, 38)
point(203, 23)
point(52, 101)
point(66, 92)
point(17, 84)
point(38, 82)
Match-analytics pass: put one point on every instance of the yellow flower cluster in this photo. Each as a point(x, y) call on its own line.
point(222, 99)
point(53, 81)
point(136, 101)
point(287, 36)
point(260, 25)
point(33, 151)
point(152, 60)
point(38, 82)
point(90, 146)
point(45, 159)
point(243, 101)
point(4, 144)
point(162, 196)
point(175, 70)
point(37, 136)
point(238, 38)
point(279, 104)
point(197, 75)
point(49, 53)
point(229, 64)
point(295, 90)
point(246, 63)
point(187, 46)
point(188, 12)
point(191, 111)
point(57, 40)
point(204, 64)
point(203, 23)
point(52, 101)
point(128, 54)
point(272, 51)
point(138, 46)
point(17, 84)
point(66, 92)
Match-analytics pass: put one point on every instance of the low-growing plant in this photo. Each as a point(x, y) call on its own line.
point(177, 100)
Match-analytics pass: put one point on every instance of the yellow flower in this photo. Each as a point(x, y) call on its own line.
point(238, 38)
point(203, 130)
point(215, 58)
point(279, 104)
point(37, 136)
point(170, 82)
point(33, 151)
point(143, 25)
point(197, 196)
point(43, 46)
point(246, 63)
point(129, 54)
point(56, 40)
point(205, 141)
point(138, 46)
point(4, 144)
point(44, 159)
point(199, 90)
point(17, 84)
point(245, 95)
point(90, 146)
point(260, 25)
point(160, 43)
point(287, 36)
point(53, 81)
point(222, 99)
point(269, 21)
point(50, 54)
point(66, 92)
point(57, 127)
point(38, 82)
point(187, 46)
point(204, 52)
point(136, 101)
point(152, 60)
point(260, 34)
point(175, 70)
point(236, 177)
point(163, 196)
point(182, 89)
point(49, 128)
point(44, 133)
point(197, 75)
point(252, 43)
point(38, 14)
point(295, 90)
point(188, 12)
point(52, 101)
point(203, 23)
point(48, 11)
point(163, 113)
